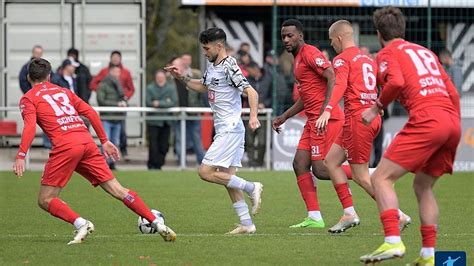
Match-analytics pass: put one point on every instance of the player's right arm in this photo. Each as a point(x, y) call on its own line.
point(341, 69)
point(292, 111)
point(28, 113)
point(391, 78)
point(194, 84)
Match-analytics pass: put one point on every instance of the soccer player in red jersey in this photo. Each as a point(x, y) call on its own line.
point(426, 146)
point(355, 81)
point(314, 78)
point(57, 111)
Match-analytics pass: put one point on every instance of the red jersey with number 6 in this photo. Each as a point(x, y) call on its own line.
point(355, 80)
point(56, 110)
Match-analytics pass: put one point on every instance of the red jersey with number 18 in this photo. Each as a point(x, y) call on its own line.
point(309, 66)
point(56, 110)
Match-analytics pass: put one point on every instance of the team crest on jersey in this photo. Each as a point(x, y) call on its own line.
point(383, 66)
point(338, 63)
point(211, 96)
point(319, 62)
point(22, 107)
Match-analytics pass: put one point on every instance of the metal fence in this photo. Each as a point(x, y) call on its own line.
point(181, 114)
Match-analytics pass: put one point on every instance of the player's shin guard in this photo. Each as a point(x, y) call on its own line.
point(428, 233)
point(136, 204)
point(60, 209)
point(308, 191)
point(344, 194)
point(389, 220)
point(347, 170)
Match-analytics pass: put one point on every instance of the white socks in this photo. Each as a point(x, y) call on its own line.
point(242, 210)
point(393, 239)
point(427, 252)
point(349, 211)
point(79, 222)
point(315, 215)
point(239, 183)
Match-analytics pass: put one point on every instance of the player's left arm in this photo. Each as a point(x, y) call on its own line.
point(253, 103)
point(110, 151)
point(390, 74)
point(451, 89)
point(28, 113)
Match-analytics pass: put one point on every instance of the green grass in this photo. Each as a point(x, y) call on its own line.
point(201, 213)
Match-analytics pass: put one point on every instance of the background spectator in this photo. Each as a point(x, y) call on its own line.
point(83, 76)
point(110, 93)
point(159, 94)
point(261, 81)
point(128, 90)
point(190, 99)
point(65, 76)
point(25, 86)
point(453, 68)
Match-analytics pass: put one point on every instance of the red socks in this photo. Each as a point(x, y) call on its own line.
point(60, 209)
point(428, 234)
point(136, 204)
point(389, 220)
point(344, 194)
point(308, 191)
point(347, 170)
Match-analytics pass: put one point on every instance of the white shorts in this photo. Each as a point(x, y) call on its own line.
point(226, 150)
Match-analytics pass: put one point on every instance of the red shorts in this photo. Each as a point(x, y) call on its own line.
point(427, 143)
point(85, 159)
point(319, 145)
point(356, 138)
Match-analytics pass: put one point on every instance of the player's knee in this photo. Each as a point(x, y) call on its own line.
point(321, 174)
point(204, 174)
point(43, 203)
point(298, 167)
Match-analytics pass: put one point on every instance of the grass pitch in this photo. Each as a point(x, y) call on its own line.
point(201, 213)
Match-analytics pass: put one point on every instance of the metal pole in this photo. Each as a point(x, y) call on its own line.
point(274, 48)
point(429, 26)
point(83, 32)
point(268, 157)
point(61, 29)
point(182, 164)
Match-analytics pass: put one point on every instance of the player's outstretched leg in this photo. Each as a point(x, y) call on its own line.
point(246, 226)
point(48, 200)
point(308, 190)
point(334, 160)
point(383, 179)
point(423, 185)
point(135, 203)
point(227, 177)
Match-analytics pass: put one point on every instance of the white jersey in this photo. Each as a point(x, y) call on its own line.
point(225, 83)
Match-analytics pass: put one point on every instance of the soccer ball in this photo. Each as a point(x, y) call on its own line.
point(145, 227)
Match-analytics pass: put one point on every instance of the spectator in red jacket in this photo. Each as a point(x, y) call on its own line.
point(125, 78)
point(128, 91)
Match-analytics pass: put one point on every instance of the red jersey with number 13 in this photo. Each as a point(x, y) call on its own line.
point(56, 110)
point(309, 66)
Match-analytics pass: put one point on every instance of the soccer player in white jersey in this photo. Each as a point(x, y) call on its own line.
point(224, 83)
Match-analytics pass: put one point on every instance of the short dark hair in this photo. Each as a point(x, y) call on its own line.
point(293, 22)
point(116, 52)
point(253, 64)
point(73, 51)
point(390, 22)
point(39, 69)
point(212, 35)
